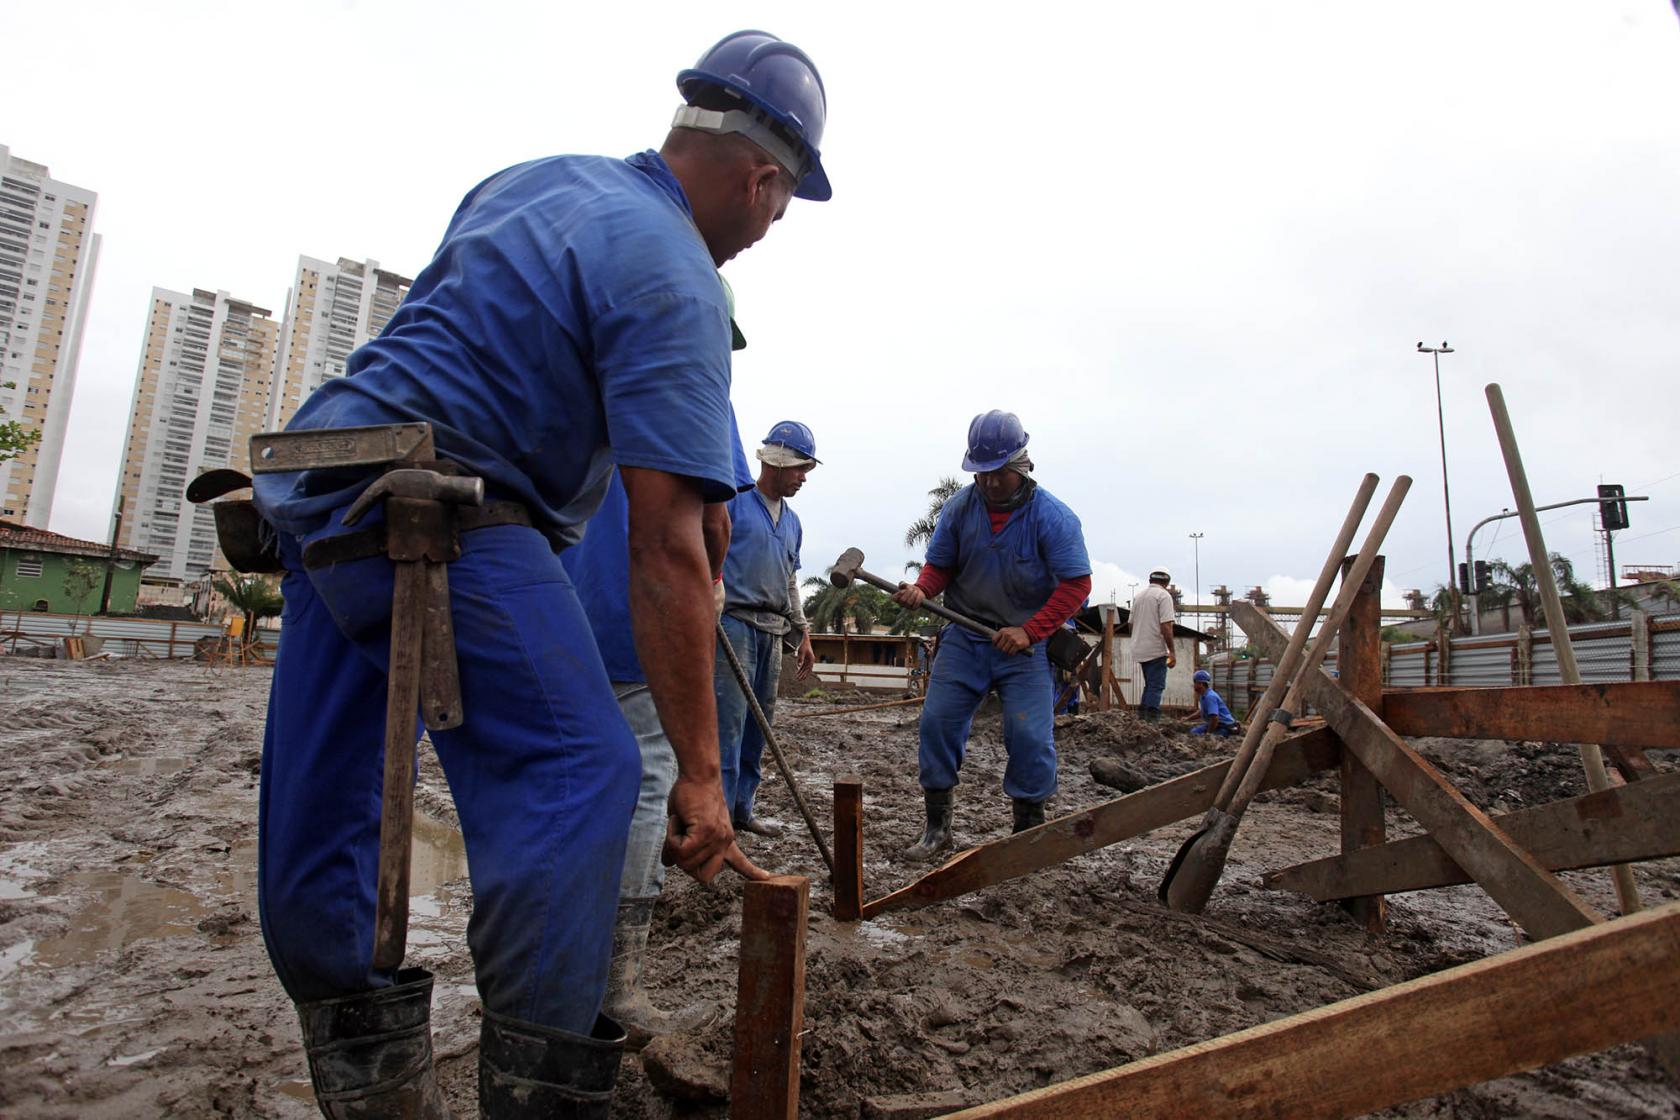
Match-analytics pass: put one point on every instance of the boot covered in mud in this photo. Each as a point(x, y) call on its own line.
point(627, 998)
point(527, 1071)
point(937, 838)
point(1028, 814)
point(370, 1054)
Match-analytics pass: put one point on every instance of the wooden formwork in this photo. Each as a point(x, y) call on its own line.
point(1487, 1019)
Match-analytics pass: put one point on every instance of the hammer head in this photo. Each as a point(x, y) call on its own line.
point(846, 568)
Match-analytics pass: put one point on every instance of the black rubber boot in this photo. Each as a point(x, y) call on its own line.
point(527, 1071)
point(370, 1054)
point(937, 838)
point(627, 998)
point(1028, 814)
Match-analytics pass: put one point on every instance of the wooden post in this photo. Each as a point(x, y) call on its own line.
point(1110, 689)
point(1359, 664)
point(770, 999)
point(1525, 654)
point(1443, 659)
point(170, 650)
point(1641, 634)
point(848, 849)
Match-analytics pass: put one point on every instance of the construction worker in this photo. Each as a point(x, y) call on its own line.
point(1152, 641)
point(1213, 717)
point(1007, 554)
point(761, 611)
point(599, 566)
point(571, 321)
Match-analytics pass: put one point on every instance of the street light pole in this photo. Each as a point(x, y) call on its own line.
point(1196, 540)
point(1446, 494)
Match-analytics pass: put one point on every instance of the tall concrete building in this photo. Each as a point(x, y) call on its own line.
point(330, 311)
point(202, 391)
point(47, 255)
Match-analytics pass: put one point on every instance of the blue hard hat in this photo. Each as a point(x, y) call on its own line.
point(993, 439)
point(781, 82)
point(1201, 676)
point(794, 436)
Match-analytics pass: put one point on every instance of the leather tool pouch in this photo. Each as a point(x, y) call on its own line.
point(1065, 649)
point(248, 542)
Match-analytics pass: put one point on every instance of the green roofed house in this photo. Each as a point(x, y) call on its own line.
point(42, 571)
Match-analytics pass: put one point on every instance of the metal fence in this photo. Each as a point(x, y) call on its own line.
point(124, 637)
point(1604, 651)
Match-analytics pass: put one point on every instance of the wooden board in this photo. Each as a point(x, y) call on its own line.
point(1623, 717)
point(770, 999)
point(1359, 663)
point(1057, 841)
point(848, 849)
point(1536, 898)
point(1620, 825)
point(1575, 994)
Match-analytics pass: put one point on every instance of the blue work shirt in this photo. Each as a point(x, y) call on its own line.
point(599, 565)
point(571, 320)
point(1213, 704)
point(1005, 577)
point(763, 555)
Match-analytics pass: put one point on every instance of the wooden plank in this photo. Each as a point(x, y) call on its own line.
point(1620, 825)
point(1574, 994)
point(1626, 714)
point(1539, 902)
point(848, 849)
point(1359, 668)
point(770, 1000)
point(1188, 795)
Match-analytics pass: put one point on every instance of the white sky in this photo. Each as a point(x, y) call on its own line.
point(1193, 245)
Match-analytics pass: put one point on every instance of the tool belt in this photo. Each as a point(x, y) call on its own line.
point(360, 545)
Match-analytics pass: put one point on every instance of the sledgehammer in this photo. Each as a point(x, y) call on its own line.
point(850, 567)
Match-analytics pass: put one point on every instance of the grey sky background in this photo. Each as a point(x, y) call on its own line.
point(1192, 245)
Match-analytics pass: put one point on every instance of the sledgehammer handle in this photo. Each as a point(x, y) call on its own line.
point(931, 607)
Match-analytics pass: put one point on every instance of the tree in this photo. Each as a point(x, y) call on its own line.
point(1517, 583)
point(15, 436)
point(79, 581)
point(921, 529)
point(829, 608)
point(253, 596)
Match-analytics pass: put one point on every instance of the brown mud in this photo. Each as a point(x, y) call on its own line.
point(133, 980)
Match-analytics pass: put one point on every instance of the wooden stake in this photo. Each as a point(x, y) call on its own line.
point(1574, 994)
point(848, 849)
point(770, 1000)
point(1359, 667)
point(858, 708)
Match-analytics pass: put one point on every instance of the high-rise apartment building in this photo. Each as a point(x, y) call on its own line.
point(47, 254)
point(330, 311)
point(202, 391)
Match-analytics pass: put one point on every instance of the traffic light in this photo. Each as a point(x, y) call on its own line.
point(1484, 576)
point(1464, 578)
point(1612, 510)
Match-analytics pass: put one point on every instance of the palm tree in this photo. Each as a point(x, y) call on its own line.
point(1580, 602)
point(252, 595)
point(921, 529)
point(829, 608)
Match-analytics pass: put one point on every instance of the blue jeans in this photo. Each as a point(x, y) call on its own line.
point(644, 875)
point(1154, 683)
point(1224, 731)
point(740, 742)
point(543, 773)
point(967, 666)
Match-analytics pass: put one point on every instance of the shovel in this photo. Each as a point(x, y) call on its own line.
point(1196, 869)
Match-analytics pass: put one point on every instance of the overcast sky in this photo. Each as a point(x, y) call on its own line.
point(1193, 245)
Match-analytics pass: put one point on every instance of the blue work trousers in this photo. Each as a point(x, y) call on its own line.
point(543, 773)
point(644, 874)
point(740, 742)
point(967, 666)
point(1154, 683)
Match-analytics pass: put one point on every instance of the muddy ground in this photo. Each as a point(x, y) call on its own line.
point(133, 980)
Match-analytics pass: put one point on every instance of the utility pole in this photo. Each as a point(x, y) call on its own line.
point(1196, 543)
point(1446, 494)
point(111, 559)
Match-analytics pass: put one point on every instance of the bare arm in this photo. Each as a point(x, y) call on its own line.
point(671, 615)
point(1167, 636)
point(716, 527)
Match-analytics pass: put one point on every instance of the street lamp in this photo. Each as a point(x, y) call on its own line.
point(1446, 495)
point(1196, 541)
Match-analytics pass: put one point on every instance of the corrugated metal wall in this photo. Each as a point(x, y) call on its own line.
point(124, 637)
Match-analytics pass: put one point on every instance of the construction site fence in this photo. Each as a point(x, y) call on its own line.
point(1620, 650)
point(29, 631)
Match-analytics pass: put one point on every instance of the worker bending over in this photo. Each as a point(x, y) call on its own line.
point(761, 611)
point(571, 321)
point(1006, 553)
point(1212, 716)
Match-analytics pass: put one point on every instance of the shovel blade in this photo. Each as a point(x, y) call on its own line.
point(1196, 869)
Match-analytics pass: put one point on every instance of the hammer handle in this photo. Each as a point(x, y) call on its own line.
point(396, 814)
point(930, 606)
